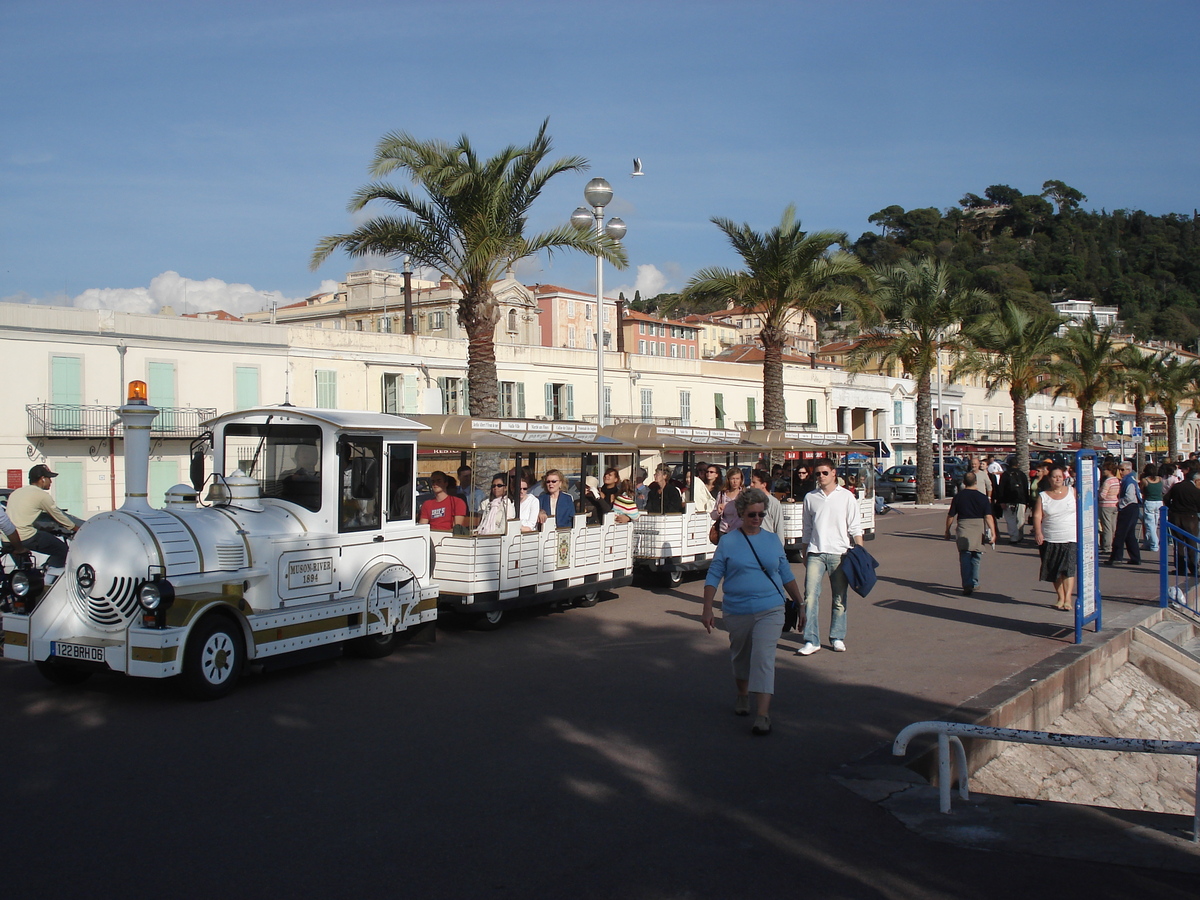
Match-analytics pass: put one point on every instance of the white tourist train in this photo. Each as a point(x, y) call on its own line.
point(313, 533)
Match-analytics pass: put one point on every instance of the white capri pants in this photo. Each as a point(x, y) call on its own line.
point(753, 638)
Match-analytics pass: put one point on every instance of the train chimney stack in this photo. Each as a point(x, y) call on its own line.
point(136, 417)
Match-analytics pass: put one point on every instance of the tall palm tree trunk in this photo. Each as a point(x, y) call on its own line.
point(478, 318)
point(774, 413)
point(1170, 410)
point(1021, 429)
point(925, 439)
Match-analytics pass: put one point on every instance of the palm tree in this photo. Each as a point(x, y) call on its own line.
point(1136, 381)
point(1087, 369)
point(916, 311)
point(788, 272)
point(1174, 381)
point(1011, 348)
point(469, 226)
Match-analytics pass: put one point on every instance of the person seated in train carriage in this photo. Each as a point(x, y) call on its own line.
point(593, 502)
point(528, 506)
point(496, 510)
point(702, 497)
point(608, 490)
point(662, 496)
point(625, 504)
point(557, 505)
point(640, 486)
point(445, 510)
point(302, 483)
point(466, 489)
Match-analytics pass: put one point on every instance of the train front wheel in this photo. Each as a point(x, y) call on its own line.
point(213, 659)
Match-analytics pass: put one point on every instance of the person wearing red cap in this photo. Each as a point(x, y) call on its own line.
point(27, 503)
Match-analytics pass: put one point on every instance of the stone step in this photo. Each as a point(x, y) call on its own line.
point(1176, 632)
point(1193, 646)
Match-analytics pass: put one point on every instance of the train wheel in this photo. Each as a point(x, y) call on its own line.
point(488, 621)
point(373, 646)
point(58, 673)
point(212, 661)
point(674, 578)
point(589, 599)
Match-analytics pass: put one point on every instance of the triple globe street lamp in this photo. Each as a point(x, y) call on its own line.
point(598, 193)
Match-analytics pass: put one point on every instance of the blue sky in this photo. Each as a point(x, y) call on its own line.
point(221, 141)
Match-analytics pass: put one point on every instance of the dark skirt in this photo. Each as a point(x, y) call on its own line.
point(1058, 561)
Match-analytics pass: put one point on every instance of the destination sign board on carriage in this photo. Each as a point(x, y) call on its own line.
point(519, 513)
point(306, 539)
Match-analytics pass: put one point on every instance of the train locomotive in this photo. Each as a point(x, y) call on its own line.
point(309, 540)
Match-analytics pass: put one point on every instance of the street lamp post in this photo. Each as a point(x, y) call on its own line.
point(598, 194)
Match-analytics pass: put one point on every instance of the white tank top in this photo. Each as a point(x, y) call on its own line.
point(1058, 518)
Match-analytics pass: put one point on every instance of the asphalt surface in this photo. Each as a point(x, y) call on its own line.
point(580, 753)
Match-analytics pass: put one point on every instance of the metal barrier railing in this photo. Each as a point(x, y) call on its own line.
point(1180, 555)
point(948, 731)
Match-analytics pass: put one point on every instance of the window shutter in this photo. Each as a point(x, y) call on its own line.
point(520, 399)
point(719, 404)
point(441, 383)
point(410, 393)
point(570, 400)
point(549, 400)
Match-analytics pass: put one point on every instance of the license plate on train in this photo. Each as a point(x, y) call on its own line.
point(76, 651)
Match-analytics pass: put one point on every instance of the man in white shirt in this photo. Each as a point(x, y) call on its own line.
point(831, 523)
point(773, 522)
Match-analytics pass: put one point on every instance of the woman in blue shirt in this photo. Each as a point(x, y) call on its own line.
point(557, 505)
point(755, 570)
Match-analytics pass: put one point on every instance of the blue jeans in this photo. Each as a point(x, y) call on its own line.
point(1150, 510)
point(968, 564)
point(816, 567)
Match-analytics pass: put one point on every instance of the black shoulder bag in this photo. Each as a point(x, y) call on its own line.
point(791, 612)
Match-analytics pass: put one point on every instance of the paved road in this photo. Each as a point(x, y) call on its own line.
point(588, 753)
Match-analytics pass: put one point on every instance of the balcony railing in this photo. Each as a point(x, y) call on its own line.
point(56, 420)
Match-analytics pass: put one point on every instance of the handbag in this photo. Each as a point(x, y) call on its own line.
point(714, 534)
point(791, 610)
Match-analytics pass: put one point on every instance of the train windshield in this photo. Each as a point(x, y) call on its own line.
point(285, 460)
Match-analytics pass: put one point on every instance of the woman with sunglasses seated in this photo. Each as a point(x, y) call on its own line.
point(528, 505)
point(496, 509)
point(557, 506)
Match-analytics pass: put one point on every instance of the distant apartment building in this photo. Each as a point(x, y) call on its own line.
point(568, 317)
point(1078, 311)
point(373, 301)
point(800, 327)
point(647, 335)
point(714, 334)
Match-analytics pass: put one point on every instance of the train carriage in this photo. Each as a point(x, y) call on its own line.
point(484, 575)
point(674, 543)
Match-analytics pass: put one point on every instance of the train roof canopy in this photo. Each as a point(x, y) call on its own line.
point(468, 433)
point(663, 437)
point(341, 419)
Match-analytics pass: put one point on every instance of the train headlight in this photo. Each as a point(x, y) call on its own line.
point(86, 576)
point(155, 597)
point(21, 585)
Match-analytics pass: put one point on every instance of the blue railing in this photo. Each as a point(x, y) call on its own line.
point(1178, 566)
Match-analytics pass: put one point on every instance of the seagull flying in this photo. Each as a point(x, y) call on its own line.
point(637, 168)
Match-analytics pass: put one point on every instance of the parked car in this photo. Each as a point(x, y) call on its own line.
point(900, 482)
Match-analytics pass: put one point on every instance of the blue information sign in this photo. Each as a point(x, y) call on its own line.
point(1087, 599)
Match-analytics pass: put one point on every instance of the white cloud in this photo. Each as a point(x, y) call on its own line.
point(650, 282)
point(170, 289)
